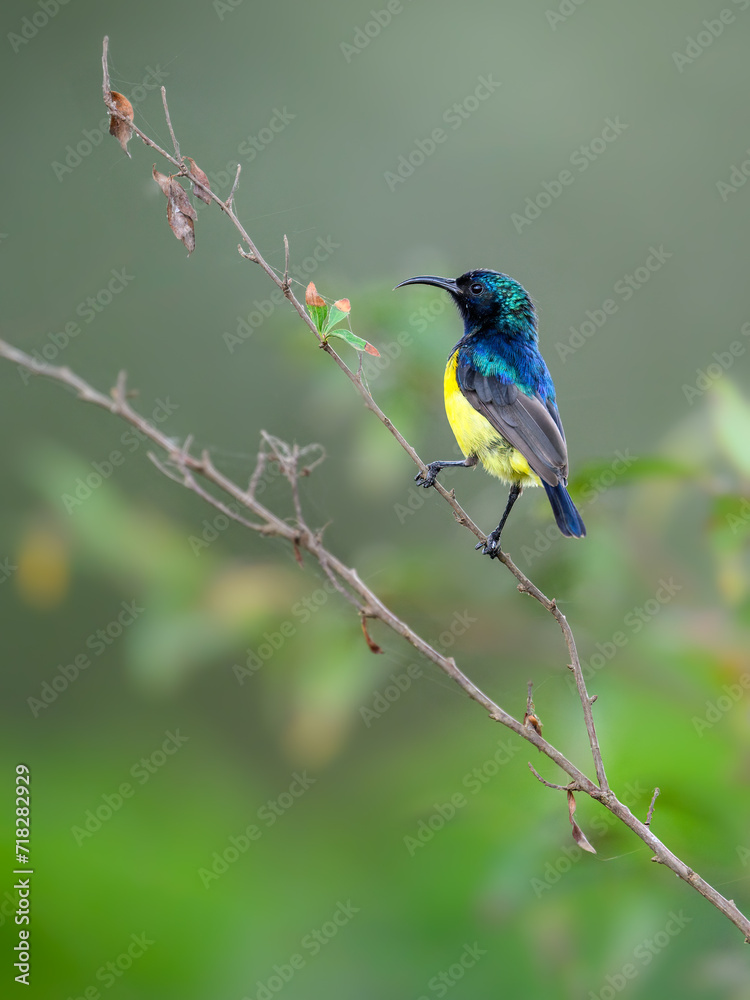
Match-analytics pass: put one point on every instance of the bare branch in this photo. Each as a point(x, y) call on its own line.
point(369, 605)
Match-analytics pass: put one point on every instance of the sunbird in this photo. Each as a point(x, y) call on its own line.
point(500, 398)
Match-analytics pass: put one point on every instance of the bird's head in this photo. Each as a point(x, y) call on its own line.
point(488, 301)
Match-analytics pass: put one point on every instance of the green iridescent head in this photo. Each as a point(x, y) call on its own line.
point(487, 299)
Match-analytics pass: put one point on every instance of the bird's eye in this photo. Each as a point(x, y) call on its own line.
point(476, 288)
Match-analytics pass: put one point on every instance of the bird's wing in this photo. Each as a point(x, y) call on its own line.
point(526, 422)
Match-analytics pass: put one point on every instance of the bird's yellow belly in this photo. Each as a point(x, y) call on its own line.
point(476, 435)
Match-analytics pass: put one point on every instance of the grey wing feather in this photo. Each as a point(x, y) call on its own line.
point(526, 422)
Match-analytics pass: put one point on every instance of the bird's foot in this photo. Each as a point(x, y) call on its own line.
point(429, 478)
point(491, 547)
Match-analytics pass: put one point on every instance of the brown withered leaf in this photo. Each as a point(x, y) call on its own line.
point(199, 175)
point(372, 645)
point(161, 179)
point(343, 305)
point(180, 213)
point(311, 296)
point(117, 127)
point(578, 835)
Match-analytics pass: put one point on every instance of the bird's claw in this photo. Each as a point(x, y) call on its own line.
point(491, 547)
point(429, 479)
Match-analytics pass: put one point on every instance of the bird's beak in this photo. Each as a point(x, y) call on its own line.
point(448, 284)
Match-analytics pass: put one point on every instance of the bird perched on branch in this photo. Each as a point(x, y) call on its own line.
point(500, 398)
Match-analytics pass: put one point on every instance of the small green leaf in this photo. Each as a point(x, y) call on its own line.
point(334, 316)
point(354, 341)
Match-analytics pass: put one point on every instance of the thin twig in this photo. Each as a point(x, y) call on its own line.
point(175, 143)
point(657, 793)
point(230, 199)
point(570, 787)
point(285, 280)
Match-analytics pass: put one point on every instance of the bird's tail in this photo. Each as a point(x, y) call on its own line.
point(568, 519)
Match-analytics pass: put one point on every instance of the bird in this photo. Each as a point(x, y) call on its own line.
point(500, 398)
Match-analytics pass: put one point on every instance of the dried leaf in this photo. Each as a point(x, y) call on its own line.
point(343, 305)
point(181, 225)
point(120, 129)
point(312, 298)
point(373, 646)
point(578, 834)
point(180, 213)
point(200, 176)
point(162, 180)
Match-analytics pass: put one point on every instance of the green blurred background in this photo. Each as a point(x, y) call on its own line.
point(235, 647)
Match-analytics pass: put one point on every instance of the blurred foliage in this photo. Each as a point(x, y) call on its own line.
point(315, 779)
